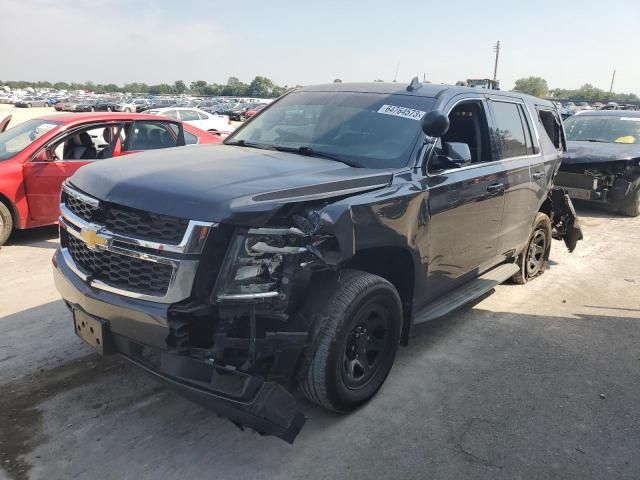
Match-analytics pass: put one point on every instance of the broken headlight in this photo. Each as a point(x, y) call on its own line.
point(254, 267)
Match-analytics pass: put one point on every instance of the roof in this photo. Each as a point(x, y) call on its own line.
point(396, 88)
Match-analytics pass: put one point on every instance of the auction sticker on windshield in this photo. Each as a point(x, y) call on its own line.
point(401, 112)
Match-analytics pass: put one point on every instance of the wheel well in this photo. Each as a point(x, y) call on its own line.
point(546, 208)
point(12, 208)
point(395, 265)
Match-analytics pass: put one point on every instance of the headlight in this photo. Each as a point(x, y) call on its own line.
point(254, 265)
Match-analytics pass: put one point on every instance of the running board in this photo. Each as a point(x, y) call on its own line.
point(466, 293)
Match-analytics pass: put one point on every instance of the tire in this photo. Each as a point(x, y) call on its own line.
point(29, 105)
point(534, 259)
point(109, 109)
point(128, 110)
point(631, 208)
point(6, 223)
point(351, 311)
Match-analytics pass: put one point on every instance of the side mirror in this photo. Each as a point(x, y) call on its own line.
point(458, 153)
point(435, 123)
point(45, 155)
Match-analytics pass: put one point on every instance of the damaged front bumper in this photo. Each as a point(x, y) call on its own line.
point(136, 332)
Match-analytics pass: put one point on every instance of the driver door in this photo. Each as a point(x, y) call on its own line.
point(466, 204)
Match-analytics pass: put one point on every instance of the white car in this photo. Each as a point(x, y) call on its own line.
point(210, 122)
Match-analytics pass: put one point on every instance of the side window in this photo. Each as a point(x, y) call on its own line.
point(150, 136)
point(171, 114)
point(468, 124)
point(189, 138)
point(93, 143)
point(202, 116)
point(188, 115)
point(552, 127)
point(510, 131)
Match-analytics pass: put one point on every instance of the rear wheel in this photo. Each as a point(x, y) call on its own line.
point(533, 260)
point(29, 105)
point(632, 206)
point(6, 223)
point(128, 110)
point(357, 332)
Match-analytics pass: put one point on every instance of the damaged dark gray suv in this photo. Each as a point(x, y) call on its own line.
point(299, 254)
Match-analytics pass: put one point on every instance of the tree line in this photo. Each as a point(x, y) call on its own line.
point(260, 87)
point(539, 87)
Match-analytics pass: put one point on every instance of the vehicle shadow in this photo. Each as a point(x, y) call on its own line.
point(42, 237)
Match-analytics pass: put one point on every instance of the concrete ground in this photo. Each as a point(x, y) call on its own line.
point(536, 381)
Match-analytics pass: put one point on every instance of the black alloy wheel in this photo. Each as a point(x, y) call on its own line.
point(533, 260)
point(535, 255)
point(356, 320)
point(366, 346)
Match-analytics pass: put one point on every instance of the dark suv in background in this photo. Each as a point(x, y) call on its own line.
point(301, 253)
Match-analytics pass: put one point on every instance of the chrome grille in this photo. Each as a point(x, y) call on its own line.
point(81, 208)
point(130, 252)
point(126, 221)
point(121, 271)
point(144, 225)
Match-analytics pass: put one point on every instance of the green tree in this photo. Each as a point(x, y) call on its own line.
point(535, 86)
point(198, 86)
point(260, 87)
point(179, 87)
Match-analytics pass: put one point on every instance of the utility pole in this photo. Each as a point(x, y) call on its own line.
point(395, 78)
point(613, 77)
point(496, 48)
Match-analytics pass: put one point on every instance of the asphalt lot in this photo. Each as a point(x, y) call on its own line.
point(536, 381)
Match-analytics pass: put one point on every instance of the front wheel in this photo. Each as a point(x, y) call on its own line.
point(533, 260)
point(356, 335)
point(6, 223)
point(128, 110)
point(29, 105)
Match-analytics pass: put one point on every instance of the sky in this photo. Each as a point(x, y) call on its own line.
point(567, 42)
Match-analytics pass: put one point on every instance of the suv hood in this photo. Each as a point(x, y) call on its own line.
point(595, 152)
point(221, 183)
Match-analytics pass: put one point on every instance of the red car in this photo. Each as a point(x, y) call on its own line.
point(36, 156)
point(254, 110)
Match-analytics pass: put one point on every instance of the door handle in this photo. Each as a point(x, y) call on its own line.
point(494, 187)
point(539, 175)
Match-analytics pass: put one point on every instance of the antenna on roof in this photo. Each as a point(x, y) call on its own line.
point(414, 85)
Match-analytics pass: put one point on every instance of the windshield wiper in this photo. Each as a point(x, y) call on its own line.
point(310, 152)
point(242, 143)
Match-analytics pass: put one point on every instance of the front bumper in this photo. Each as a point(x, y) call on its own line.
point(137, 331)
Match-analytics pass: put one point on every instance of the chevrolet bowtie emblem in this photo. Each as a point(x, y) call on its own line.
point(92, 238)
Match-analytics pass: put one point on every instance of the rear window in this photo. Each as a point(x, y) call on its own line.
point(509, 129)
